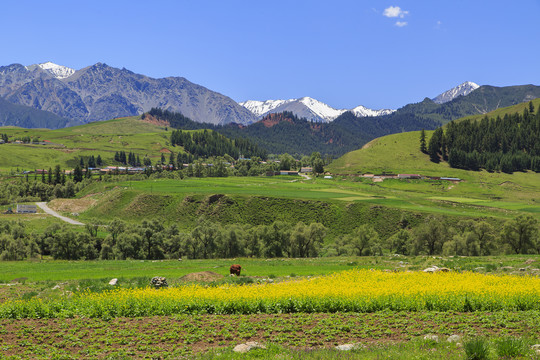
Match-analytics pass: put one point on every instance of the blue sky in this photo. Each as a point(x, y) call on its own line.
point(381, 54)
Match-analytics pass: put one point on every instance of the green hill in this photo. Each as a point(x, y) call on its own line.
point(149, 138)
point(509, 110)
point(400, 153)
point(66, 146)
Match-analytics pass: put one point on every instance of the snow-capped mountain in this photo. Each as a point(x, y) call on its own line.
point(58, 71)
point(464, 89)
point(308, 108)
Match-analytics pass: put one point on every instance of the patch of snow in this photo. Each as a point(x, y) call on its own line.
point(58, 71)
point(261, 108)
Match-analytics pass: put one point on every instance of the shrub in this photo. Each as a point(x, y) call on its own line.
point(476, 349)
point(511, 347)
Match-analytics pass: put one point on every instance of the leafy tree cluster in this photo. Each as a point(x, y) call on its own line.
point(50, 186)
point(4, 137)
point(435, 237)
point(153, 240)
point(210, 143)
point(25, 139)
point(508, 144)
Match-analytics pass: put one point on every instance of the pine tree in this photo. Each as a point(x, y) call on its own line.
point(77, 174)
point(57, 175)
point(423, 141)
point(434, 147)
point(171, 161)
point(92, 161)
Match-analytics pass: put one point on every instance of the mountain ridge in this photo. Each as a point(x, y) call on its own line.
point(461, 90)
point(100, 92)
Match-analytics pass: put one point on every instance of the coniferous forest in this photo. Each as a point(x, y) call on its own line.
point(507, 144)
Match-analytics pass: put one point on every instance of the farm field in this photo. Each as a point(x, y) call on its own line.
point(383, 330)
point(394, 335)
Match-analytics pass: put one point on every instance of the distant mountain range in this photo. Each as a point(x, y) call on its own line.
point(314, 110)
point(308, 108)
point(101, 92)
point(58, 96)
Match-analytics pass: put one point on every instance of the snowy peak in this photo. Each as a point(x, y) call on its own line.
point(362, 111)
point(306, 107)
point(58, 71)
point(261, 108)
point(321, 109)
point(461, 90)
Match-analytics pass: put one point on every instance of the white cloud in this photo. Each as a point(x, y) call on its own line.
point(395, 11)
point(401, 23)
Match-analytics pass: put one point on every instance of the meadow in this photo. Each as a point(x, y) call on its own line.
point(102, 138)
point(337, 203)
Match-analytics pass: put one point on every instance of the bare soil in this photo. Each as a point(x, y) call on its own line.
point(155, 121)
point(203, 276)
point(73, 205)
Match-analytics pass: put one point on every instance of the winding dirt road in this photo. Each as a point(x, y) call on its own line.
point(48, 210)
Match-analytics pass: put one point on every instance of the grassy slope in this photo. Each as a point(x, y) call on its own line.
point(340, 204)
point(399, 153)
point(505, 110)
point(103, 138)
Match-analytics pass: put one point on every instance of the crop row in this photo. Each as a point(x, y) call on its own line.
point(184, 335)
point(349, 291)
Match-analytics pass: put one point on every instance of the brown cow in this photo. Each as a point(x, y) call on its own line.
point(235, 270)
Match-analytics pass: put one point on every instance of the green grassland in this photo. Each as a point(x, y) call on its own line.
point(341, 204)
point(102, 138)
point(50, 271)
point(400, 153)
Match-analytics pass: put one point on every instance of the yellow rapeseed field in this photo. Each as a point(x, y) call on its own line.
point(354, 290)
